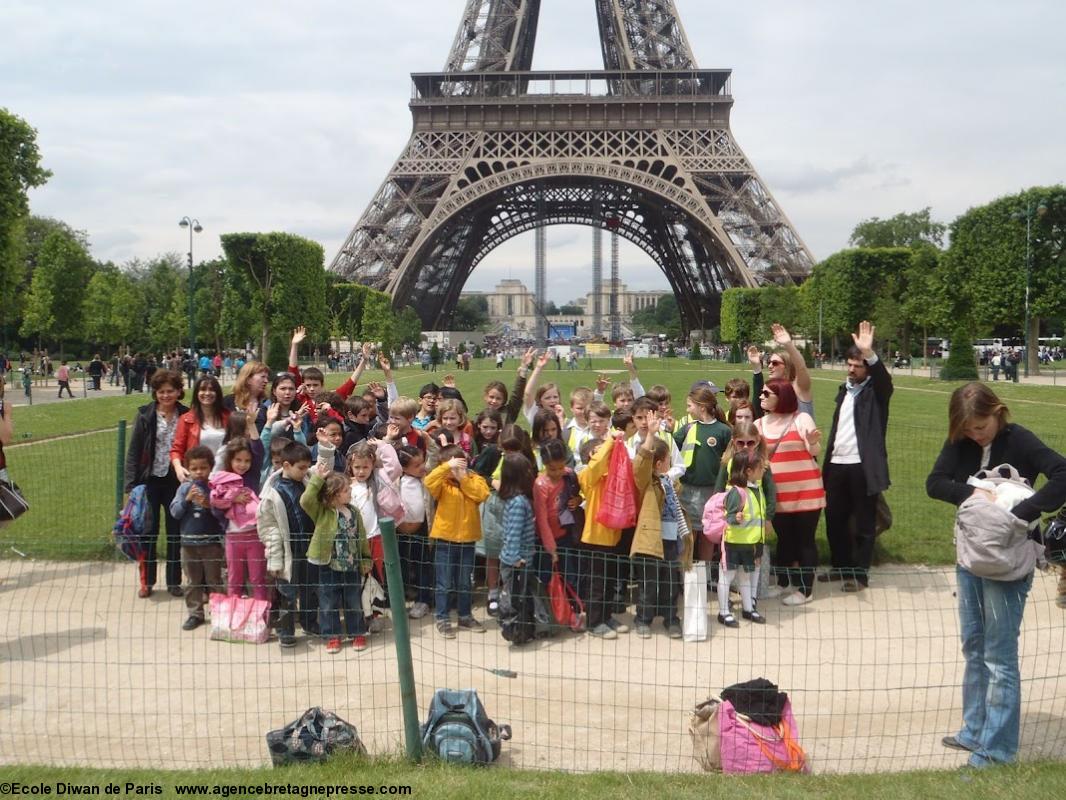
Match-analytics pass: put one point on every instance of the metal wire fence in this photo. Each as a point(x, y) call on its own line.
point(90, 674)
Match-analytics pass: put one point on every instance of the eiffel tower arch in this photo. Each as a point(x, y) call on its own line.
point(641, 148)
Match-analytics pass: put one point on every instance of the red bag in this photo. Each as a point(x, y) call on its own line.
point(618, 503)
point(567, 607)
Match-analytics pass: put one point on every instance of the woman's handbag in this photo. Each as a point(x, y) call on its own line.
point(12, 502)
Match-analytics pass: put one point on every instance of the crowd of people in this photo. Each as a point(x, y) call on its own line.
point(278, 490)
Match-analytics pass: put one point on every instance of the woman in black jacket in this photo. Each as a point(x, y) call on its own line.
point(148, 462)
point(990, 611)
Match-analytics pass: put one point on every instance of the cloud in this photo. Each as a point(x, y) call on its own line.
point(282, 117)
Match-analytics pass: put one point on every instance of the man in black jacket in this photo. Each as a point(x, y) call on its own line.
point(856, 461)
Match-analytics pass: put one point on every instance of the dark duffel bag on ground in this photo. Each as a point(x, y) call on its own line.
point(315, 736)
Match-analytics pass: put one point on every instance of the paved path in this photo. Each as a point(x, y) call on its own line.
point(90, 675)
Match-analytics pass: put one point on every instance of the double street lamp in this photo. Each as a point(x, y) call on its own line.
point(194, 227)
point(1031, 212)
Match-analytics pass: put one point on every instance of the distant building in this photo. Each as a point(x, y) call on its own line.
point(512, 309)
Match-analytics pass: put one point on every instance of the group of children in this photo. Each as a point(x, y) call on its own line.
point(300, 524)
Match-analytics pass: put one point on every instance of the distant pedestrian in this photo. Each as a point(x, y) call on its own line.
point(96, 371)
point(63, 376)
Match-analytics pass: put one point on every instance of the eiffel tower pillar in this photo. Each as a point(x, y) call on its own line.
point(539, 287)
point(642, 148)
point(597, 283)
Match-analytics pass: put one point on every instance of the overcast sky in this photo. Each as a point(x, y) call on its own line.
point(287, 116)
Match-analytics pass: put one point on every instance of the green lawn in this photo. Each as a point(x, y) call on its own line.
point(70, 481)
point(1037, 781)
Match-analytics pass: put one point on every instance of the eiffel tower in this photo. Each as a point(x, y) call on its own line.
point(641, 148)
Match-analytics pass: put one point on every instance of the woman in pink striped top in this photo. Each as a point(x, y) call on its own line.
point(793, 442)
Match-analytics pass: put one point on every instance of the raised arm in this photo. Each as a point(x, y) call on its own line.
point(514, 402)
point(345, 389)
point(530, 396)
point(634, 378)
point(803, 378)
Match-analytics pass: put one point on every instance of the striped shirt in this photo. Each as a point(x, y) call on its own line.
point(796, 474)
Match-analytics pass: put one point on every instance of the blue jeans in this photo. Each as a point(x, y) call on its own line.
point(337, 591)
point(990, 616)
point(453, 564)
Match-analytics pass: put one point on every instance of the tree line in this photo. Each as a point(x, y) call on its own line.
point(900, 274)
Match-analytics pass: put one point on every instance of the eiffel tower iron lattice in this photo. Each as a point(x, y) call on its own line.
point(641, 148)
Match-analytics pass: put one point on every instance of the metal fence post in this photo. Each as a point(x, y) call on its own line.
point(120, 459)
point(401, 635)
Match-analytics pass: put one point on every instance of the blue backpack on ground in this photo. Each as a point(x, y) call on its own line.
point(459, 731)
point(133, 524)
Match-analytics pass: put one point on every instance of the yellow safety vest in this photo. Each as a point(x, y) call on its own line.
point(753, 514)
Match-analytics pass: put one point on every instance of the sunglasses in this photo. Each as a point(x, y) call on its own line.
point(766, 393)
point(776, 362)
point(745, 442)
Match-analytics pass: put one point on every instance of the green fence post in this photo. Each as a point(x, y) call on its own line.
point(120, 463)
point(401, 635)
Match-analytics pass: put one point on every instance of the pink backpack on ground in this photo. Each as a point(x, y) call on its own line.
point(750, 748)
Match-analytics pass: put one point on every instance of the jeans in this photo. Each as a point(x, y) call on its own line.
point(847, 499)
point(454, 570)
point(417, 568)
point(990, 618)
point(336, 591)
point(659, 584)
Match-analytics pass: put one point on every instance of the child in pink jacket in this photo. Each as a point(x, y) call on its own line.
point(230, 492)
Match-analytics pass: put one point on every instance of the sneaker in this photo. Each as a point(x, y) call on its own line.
point(954, 744)
point(643, 631)
point(144, 592)
point(377, 624)
point(674, 631)
point(728, 620)
point(445, 629)
point(471, 624)
point(796, 598)
point(286, 640)
point(494, 607)
point(851, 586)
point(754, 616)
point(616, 626)
point(359, 643)
point(192, 623)
point(604, 631)
point(418, 610)
point(580, 622)
point(175, 591)
point(333, 645)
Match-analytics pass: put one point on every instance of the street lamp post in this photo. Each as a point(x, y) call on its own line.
point(194, 227)
point(1030, 213)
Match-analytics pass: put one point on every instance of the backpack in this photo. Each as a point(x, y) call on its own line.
point(990, 542)
point(133, 524)
point(315, 736)
point(714, 523)
point(458, 730)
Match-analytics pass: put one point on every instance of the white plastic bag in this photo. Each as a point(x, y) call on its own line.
point(694, 622)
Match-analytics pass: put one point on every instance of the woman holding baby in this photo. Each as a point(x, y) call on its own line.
point(981, 436)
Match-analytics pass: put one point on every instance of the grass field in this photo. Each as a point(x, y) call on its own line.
point(70, 481)
point(1037, 781)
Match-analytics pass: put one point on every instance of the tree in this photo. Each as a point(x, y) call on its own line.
point(284, 276)
point(471, 313)
point(902, 230)
point(209, 297)
point(740, 315)
point(571, 309)
point(664, 317)
point(112, 307)
point(694, 353)
point(408, 327)
point(54, 305)
point(550, 309)
point(20, 171)
point(961, 364)
point(986, 264)
point(345, 303)
point(379, 321)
